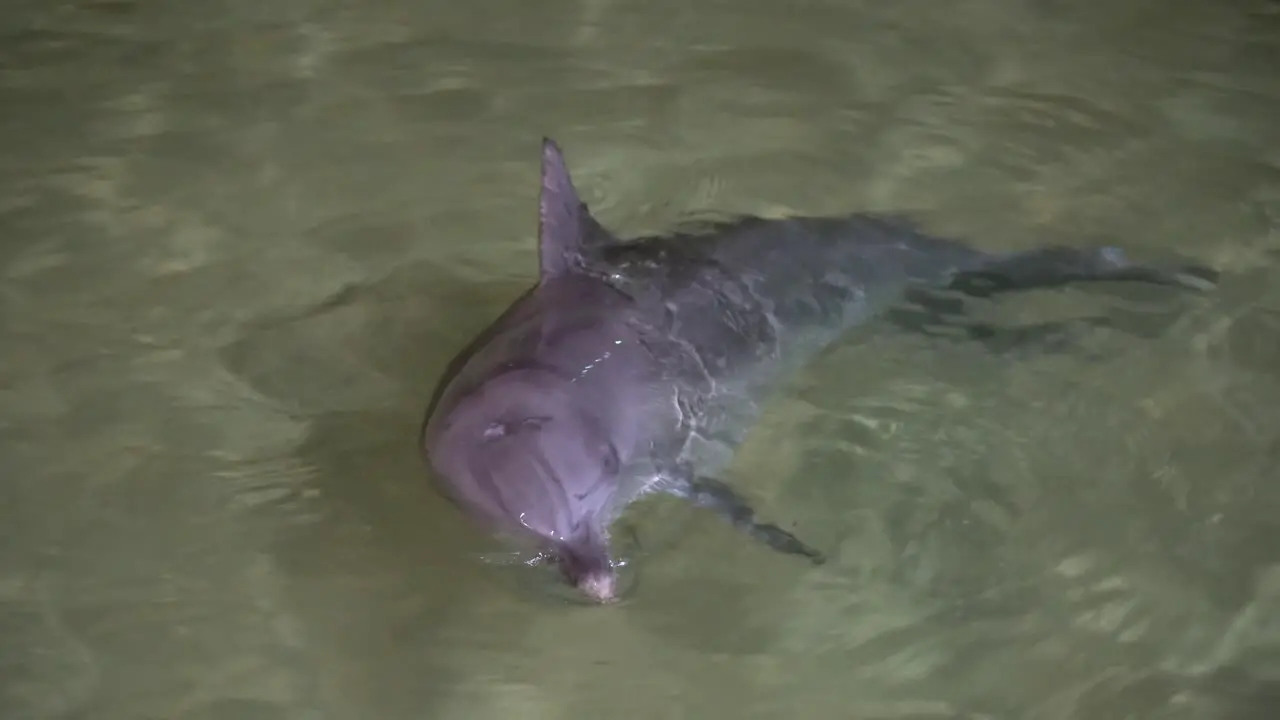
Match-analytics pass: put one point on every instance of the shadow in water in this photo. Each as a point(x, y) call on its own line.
point(381, 562)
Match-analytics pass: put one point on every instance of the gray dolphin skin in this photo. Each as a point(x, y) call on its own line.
point(636, 366)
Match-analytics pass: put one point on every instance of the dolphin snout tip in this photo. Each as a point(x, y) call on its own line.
point(600, 587)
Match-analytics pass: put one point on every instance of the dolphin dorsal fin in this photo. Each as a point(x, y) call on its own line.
point(564, 223)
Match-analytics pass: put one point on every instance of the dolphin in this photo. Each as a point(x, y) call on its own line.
point(636, 366)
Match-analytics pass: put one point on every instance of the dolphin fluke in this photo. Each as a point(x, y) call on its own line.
point(1055, 266)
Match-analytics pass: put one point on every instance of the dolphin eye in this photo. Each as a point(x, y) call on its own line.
point(503, 428)
point(610, 461)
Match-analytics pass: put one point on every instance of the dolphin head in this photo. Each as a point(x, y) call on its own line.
point(544, 410)
point(527, 454)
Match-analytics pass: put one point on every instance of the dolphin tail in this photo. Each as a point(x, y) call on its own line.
point(1057, 266)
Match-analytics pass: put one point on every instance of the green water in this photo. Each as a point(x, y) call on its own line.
point(240, 240)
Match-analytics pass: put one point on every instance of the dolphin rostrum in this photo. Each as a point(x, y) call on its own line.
point(636, 366)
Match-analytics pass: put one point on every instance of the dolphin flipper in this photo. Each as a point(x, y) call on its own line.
point(719, 497)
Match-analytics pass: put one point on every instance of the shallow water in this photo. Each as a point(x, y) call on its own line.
point(242, 239)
